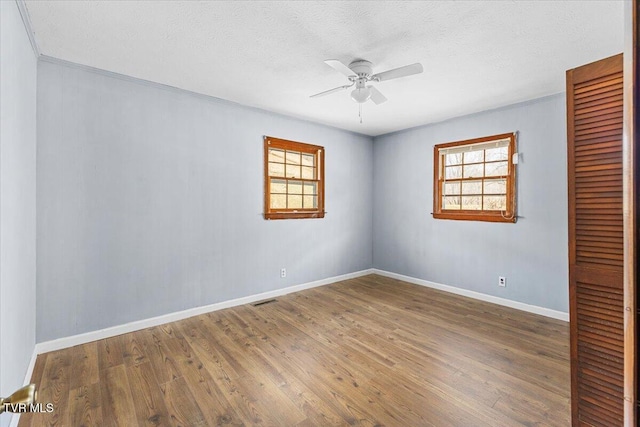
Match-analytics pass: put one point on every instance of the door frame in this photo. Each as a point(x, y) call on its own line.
point(630, 189)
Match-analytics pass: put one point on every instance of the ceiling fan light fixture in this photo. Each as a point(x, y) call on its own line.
point(361, 94)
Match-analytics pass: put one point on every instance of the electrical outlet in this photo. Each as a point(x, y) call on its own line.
point(502, 281)
point(283, 273)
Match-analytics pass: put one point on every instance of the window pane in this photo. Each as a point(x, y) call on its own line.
point(450, 202)
point(278, 201)
point(496, 169)
point(453, 159)
point(495, 186)
point(453, 172)
point(473, 171)
point(308, 172)
point(293, 171)
point(308, 160)
point(310, 202)
point(293, 157)
point(294, 201)
point(278, 186)
point(276, 155)
point(451, 188)
point(472, 187)
point(493, 154)
point(474, 156)
point(473, 203)
point(295, 187)
point(276, 169)
point(310, 188)
point(495, 203)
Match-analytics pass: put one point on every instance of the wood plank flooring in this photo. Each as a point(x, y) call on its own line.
point(370, 351)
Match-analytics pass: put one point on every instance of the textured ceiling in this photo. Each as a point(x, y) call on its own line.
point(476, 55)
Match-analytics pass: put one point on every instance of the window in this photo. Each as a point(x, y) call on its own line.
point(475, 179)
point(294, 179)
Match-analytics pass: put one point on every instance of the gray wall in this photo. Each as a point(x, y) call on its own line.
point(532, 253)
point(150, 202)
point(17, 200)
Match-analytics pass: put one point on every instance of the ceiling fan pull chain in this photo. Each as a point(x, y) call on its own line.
point(360, 112)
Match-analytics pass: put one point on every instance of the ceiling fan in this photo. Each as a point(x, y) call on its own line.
point(360, 72)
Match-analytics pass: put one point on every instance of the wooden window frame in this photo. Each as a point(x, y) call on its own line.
point(318, 152)
point(475, 215)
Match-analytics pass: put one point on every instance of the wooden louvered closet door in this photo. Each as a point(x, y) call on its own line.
point(594, 125)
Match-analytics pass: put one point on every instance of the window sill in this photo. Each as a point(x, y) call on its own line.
point(293, 215)
point(487, 217)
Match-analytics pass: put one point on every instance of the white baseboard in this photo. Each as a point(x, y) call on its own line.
point(560, 315)
point(74, 340)
point(15, 419)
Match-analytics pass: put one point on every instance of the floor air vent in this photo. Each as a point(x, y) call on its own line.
point(267, 301)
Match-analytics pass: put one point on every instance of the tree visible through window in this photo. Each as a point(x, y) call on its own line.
point(294, 179)
point(475, 179)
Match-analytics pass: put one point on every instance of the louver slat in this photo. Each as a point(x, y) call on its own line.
point(594, 117)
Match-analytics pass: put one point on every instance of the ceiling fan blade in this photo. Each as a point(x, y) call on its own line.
point(407, 70)
point(330, 91)
point(340, 67)
point(376, 96)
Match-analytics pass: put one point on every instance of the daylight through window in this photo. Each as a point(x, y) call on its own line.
point(475, 179)
point(294, 179)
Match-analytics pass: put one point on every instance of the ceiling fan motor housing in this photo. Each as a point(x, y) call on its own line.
point(361, 68)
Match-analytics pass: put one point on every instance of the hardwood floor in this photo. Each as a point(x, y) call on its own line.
point(369, 351)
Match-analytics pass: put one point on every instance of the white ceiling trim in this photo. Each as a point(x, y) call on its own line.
point(26, 20)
